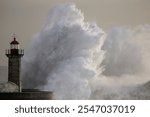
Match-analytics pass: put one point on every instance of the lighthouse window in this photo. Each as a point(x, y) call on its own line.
point(14, 46)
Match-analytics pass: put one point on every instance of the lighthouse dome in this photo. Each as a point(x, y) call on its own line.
point(14, 41)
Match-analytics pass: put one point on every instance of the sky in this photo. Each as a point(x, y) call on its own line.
point(25, 18)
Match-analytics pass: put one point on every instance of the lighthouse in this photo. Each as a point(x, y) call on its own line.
point(14, 55)
point(12, 90)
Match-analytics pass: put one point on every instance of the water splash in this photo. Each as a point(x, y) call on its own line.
point(68, 57)
point(64, 55)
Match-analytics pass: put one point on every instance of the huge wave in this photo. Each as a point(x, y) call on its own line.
point(77, 60)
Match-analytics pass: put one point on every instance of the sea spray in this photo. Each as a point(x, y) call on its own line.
point(126, 65)
point(67, 57)
point(64, 55)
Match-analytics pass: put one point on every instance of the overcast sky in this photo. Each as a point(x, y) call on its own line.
point(26, 17)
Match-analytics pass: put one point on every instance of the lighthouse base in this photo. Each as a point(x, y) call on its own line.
point(27, 94)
